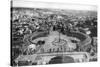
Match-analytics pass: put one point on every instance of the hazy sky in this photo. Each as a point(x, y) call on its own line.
point(30, 4)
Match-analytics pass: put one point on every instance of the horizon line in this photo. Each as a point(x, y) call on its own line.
point(53, 5)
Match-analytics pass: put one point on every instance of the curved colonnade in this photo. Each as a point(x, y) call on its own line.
point(84, 40)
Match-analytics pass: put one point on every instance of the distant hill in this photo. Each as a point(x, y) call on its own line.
point(60, 11)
